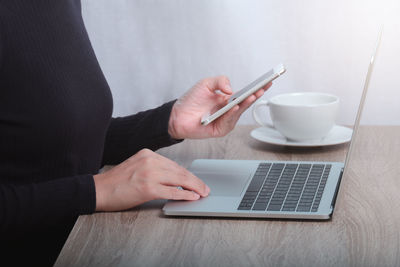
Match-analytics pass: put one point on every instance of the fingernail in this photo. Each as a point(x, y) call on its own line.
point(207, 190)
point(197, 196)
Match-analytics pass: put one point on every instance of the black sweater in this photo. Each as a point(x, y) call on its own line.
point(56, 129)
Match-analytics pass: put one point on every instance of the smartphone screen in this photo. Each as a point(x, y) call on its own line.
point(246, 92)
point(250, 86)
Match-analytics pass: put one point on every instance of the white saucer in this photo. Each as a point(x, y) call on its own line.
point(338, 135)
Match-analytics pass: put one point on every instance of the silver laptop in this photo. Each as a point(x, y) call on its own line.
point(269, 189)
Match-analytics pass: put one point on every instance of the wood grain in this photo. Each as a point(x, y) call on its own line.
point(364, 230)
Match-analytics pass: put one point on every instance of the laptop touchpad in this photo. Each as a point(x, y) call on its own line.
point(222, 184)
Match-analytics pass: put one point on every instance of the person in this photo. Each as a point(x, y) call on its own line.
point(56, 133)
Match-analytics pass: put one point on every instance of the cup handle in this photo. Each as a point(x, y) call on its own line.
point(255, 115)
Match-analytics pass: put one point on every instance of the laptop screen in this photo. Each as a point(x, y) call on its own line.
point(363, 96)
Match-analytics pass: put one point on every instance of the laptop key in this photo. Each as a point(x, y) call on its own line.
point(274, 207)
point(250, 194)
point(303, 209)
point(286, 187)
point(288, 208)
point(260, 206)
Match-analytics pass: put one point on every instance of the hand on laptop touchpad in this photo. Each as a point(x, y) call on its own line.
point(222, 184)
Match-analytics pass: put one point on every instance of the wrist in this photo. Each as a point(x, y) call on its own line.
point(172, 124)
point(98, 184)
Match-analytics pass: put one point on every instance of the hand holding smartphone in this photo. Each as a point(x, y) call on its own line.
point(246, 92)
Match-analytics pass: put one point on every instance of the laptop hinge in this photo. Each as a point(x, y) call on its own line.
point(336, 190)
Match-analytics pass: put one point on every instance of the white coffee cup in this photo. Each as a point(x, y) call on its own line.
point(304, 116)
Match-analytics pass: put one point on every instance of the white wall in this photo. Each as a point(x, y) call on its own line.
point(152, 51)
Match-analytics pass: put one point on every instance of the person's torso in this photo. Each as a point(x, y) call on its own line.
point(55, 104)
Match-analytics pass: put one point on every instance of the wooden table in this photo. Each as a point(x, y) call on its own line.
point(364, 230)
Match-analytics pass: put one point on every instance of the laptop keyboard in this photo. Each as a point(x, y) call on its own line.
point(286, 187)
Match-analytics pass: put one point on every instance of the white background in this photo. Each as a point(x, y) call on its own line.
point(152, 51)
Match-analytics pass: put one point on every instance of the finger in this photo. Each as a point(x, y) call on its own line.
point(247, 102)
point(245, 105)
point(225, 117)
point(192, 182)
point(184, 178)
point(226, 122)
point(231, 112)
point(242, 107)
point(220, 83)
point(234, 117)
point(176, 175)
point(169, 192)
point(172, 173)
point(259, 93)
point(236, 111)
point(267, 86)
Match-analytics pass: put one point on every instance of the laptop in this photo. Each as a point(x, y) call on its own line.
point(270, 189)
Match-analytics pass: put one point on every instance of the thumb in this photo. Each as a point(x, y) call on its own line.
point(222, 84)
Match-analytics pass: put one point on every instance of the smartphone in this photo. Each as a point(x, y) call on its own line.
point(246, 92)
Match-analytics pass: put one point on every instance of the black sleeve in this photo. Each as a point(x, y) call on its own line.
point(1, 45)
point(34, 206)
point(128, 135)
